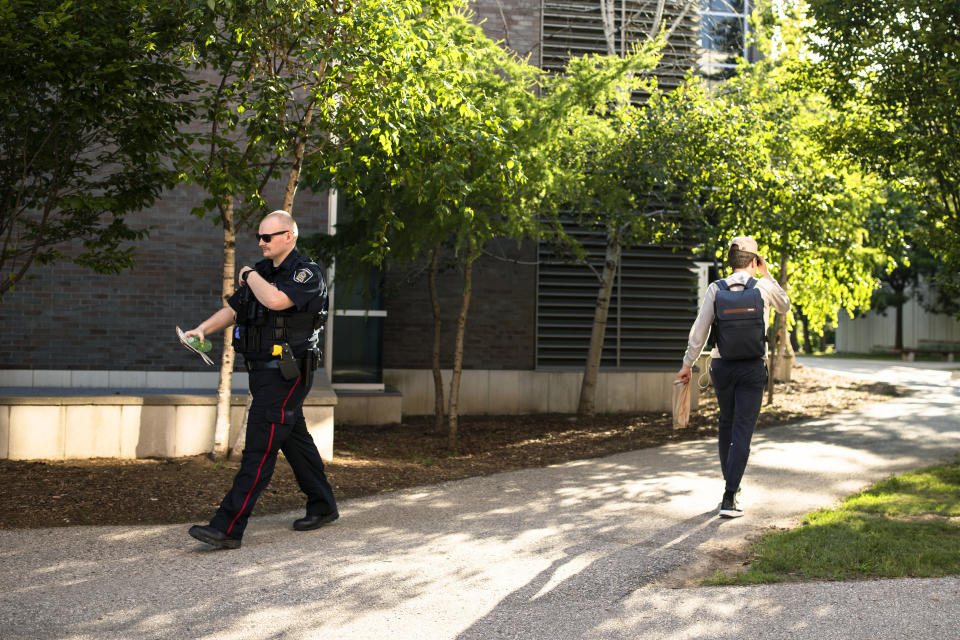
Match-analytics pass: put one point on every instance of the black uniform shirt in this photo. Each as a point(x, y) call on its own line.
point(301, 279)
point(297, 276)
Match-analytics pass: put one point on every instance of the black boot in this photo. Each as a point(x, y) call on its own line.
point(314, 522)
point(214, 537)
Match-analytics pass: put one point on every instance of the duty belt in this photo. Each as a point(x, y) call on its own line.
point(256, 365)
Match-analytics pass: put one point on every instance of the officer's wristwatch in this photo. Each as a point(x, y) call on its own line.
point(245, 275)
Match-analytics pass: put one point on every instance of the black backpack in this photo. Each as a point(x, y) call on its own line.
point(738, 322)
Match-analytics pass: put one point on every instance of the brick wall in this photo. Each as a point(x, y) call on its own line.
point(66, 317)
point(515, 23)
point(70, 318)
point(501, 323)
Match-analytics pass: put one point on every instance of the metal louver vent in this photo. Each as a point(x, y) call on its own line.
point(573, 28)
point(654, 300)
point(653, 304)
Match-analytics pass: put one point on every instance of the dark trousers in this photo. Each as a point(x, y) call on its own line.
point(739, 385)
point(275, 423)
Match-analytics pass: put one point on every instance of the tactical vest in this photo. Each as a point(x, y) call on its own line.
point(738, 322)
point(259, 329)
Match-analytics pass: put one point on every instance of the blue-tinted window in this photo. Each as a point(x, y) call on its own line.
point(723, 27)
point(724, 6)
point(358, 349)
point(358, 330)
point(723, 34)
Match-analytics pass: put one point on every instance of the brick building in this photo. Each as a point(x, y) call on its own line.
point(528, 327)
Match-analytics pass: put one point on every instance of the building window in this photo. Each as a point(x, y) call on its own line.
point(723, 30)
point(358, 321)
point(358, 357)
point(358, 327)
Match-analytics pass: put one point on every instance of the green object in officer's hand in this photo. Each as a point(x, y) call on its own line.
point(204, 346)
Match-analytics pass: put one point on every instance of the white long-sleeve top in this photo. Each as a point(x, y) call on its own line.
point(771, 292)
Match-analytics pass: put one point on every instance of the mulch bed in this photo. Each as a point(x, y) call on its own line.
point(373, 459)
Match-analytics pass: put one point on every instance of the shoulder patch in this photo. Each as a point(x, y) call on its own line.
point(302, 275)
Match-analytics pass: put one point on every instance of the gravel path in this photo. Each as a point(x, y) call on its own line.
point(579, 550)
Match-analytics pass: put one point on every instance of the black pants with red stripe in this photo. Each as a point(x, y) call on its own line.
point(275, 423)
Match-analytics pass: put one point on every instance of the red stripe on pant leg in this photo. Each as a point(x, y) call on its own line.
point(269, 446)
point(288, 398)
point(255, 480)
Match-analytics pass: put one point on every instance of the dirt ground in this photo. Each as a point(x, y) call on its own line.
point(374, 459)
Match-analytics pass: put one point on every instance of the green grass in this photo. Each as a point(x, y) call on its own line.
point(907, 525)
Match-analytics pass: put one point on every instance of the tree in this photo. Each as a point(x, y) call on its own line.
point(808, 208)
point(620, 221)
point(502, 163)
point(892, 220)
point(91, 99)
point(283, 87)
point(891, 70)
point(494, 160)
point(680, 154)
point(911, 272)
point(457, 178)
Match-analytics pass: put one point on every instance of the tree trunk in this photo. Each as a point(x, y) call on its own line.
point(657, 17)
point(221, 431)
point(236, 452)
point(784, 280)
point(772, 359)
point(458, 353)
point(588, 388)
point(506, 27)
point(607, 10)
point(807, 338)
point(780, 341)
point(898, 340)
point(437, 325)
point(293, 179)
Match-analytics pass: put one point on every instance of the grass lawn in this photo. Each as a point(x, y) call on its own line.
point(907, 525)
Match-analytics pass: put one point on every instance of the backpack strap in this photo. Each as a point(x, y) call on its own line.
point(722, 284)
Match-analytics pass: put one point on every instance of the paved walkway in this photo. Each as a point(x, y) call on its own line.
point(578, 550)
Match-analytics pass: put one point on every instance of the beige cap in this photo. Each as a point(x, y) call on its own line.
point(745, 243)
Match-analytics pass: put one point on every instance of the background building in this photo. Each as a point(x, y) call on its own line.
point(529, 323)
point(529, 326)
point(876, 331)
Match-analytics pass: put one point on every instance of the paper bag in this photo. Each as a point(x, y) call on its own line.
point(681, 404)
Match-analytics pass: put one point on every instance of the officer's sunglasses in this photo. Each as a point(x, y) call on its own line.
point(267, 237)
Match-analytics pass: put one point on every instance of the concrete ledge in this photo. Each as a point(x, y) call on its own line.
point(501, 392)
point(72, 422)
point(369, 407)
point(95, 396)
point(100, 379)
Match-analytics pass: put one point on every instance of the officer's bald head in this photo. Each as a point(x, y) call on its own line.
point(283, 220)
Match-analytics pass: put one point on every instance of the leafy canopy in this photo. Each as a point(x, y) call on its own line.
point(807, 208)
point(91, 99)
point(891, 70)
point(287, 84)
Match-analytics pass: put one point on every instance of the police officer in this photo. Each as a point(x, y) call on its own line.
point(738, 382)
point(278, 309)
